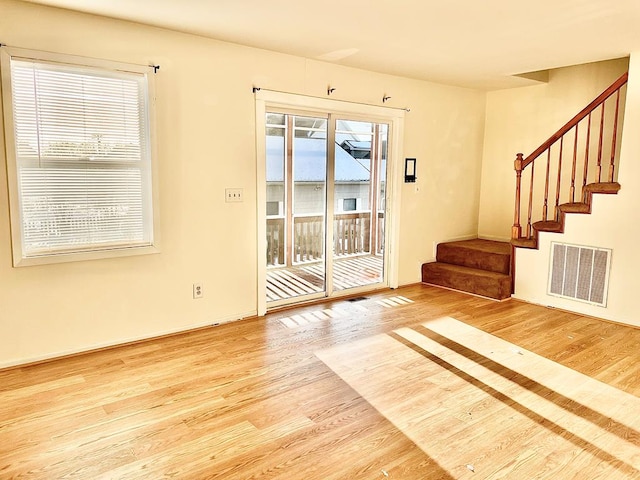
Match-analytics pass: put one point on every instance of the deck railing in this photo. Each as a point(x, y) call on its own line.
point(352, 236)
point(308, 237)
point(275, 241)
point(351, 233)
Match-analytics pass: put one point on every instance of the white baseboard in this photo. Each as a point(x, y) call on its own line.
point(124, 341)
point(496, 238)
point(459, 239)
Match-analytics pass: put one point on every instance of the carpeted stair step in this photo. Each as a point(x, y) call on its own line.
point(478, 253)
point(480, 282)
point(525, 242)
point(607, 188)
point(548, 226)
point(576, 207)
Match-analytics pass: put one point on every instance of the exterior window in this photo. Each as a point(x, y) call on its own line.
point(79, 157)
point(273, 208)
point(349, 204)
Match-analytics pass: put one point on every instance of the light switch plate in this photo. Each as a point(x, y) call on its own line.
point(233, 195)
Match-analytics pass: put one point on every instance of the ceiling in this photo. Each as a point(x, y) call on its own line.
point(473, 43)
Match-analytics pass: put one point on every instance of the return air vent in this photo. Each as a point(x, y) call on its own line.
point(579, 273)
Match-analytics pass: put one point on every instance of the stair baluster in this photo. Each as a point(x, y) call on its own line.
point(556, 213)
point(572, 190)
point(613, 139)
point(516, 230)
point(545, 205)
point(585, 174)
point(530, 211)
point(600, 140)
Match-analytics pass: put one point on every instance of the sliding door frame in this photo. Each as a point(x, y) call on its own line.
point(265, 101)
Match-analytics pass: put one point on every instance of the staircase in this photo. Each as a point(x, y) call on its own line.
point(580, 157)
point(481, 267)
point(578, 162)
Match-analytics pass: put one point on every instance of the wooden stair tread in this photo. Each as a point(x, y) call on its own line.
point(524, 242)
point(548, 226)
point(603, 187)
point(575, 207)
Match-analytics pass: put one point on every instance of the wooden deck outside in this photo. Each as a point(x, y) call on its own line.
point(348, 272)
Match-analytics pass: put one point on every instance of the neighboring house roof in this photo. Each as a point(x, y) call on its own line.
point(310, 161)
point(357, 149)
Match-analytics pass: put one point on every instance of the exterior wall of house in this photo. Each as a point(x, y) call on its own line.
point(205, 139)
point(519, 120)
point(612, 224)
point(310, 197)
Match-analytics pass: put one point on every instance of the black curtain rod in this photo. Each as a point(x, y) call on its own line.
point(155, 67)
point(257, 89)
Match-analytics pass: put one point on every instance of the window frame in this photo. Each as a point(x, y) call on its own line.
point(88, 253)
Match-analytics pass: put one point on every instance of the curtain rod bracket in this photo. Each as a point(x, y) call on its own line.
point(330, 90)
point(255, 89)
point(155, 68)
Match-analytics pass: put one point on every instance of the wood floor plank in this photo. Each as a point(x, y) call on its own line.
point(253, 399)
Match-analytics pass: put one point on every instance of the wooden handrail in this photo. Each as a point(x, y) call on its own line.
point(575, 120)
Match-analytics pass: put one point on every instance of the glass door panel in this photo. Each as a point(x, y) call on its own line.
point(275, 166)
point(382, 141)
point(296, 169)
point(358, 210)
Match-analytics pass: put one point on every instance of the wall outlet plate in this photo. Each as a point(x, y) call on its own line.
point(197, 291)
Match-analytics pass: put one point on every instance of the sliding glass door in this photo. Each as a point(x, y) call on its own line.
point(325, 205)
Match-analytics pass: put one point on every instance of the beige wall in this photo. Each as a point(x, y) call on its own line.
point(519, 120)
point(612, 224)
point(206, 129)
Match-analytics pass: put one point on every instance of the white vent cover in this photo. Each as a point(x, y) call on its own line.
point(580, 273)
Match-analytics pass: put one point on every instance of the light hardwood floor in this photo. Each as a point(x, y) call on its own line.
point(414, 383)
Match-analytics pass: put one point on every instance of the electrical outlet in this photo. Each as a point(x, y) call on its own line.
point(197, 291)
point(233, 195)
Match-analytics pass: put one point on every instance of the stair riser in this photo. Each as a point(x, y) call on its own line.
point(475, 282)
point(466, 257)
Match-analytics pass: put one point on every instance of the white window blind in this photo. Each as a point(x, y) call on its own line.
point(82, 158)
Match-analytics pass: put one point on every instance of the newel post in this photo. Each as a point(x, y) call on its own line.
point(516, 230)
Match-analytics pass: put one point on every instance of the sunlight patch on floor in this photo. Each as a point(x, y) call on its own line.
point(298, 320)
point(470, 399)
point(394, 301)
